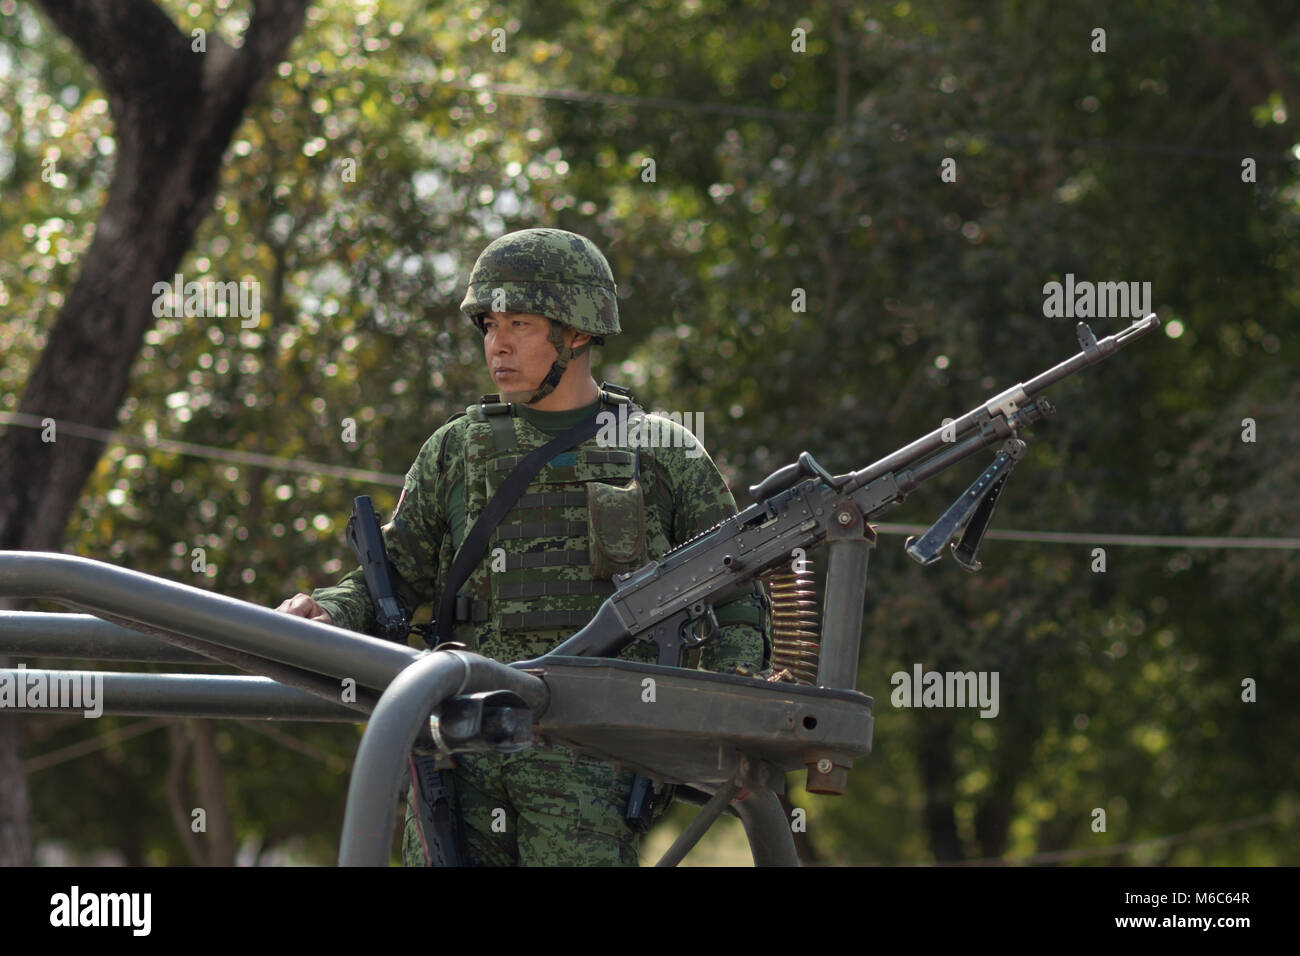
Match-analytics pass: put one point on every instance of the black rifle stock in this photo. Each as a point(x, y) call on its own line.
point(439, 829)
point(801, 505)
point(363, 534)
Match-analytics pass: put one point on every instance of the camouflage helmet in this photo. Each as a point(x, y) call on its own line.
point(549, 272)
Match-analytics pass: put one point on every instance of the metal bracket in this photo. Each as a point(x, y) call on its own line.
point(972, 511)
point(490, 722)
point(963, 551)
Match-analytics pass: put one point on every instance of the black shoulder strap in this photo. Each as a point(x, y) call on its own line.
point(476, 542)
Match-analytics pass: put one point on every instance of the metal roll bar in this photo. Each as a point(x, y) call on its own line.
point(714, 731)
point(171, 695)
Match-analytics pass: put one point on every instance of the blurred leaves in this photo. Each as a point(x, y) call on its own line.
point(1120, 690)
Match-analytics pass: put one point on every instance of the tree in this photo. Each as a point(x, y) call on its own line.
point(175, 102)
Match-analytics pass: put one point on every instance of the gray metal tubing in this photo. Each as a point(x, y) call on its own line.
point(770, 839)
point(84, 637)
point(954, 434)
point(145, 599)
point(697, 798)
point(326, 688)
point(846, 582)
point(700, 825)
point(175, 695)
point(397, 719)
point(950, 456)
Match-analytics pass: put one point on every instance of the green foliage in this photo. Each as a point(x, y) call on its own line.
point(1120, 690)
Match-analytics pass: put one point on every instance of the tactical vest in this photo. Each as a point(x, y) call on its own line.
point(550, 561)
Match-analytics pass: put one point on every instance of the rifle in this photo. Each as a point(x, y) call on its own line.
point(440, 835)
point(800, 506)
point(363, 534)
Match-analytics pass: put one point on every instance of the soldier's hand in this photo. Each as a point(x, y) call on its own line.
point(301, 605)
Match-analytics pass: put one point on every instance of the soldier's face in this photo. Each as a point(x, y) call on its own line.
point(518, 351)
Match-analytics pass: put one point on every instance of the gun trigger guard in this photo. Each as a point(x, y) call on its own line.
point(711, 619)
point(711, 627)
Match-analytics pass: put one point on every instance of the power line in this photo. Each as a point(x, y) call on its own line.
point(85, 747)
point(1122, 540)
point(758, 112)
point(211, 452)
point(216, 453)
point(652, 102)
point(332, 761)
point(103, 741)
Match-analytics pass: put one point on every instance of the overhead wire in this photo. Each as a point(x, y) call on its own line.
point(333, 762)
point(303, 466)
point(92, 745)
point(212, 452)
point(562, 94)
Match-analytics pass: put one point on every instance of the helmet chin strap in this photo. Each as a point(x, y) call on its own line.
point(563, 355)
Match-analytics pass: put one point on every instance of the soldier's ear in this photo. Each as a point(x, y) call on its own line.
point(578, 338)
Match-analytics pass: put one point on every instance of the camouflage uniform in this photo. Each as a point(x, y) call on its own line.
point(547, 569)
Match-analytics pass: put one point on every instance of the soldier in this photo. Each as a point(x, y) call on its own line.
point(542, 298)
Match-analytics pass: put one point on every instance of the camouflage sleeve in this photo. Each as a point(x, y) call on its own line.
point(412, 539)
point(699, 500)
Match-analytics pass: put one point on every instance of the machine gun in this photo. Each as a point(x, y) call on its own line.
point(670, 601)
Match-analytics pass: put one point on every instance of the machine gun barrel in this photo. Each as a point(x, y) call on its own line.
point(1004, 403)
point(794, 508)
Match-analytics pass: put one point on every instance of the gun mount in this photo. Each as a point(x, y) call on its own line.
point(716, 731)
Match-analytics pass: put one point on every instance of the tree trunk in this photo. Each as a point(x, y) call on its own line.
point(15, 834)
point(192, 746)
point(212, 795)
point(174, 111)
point(939, 774)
